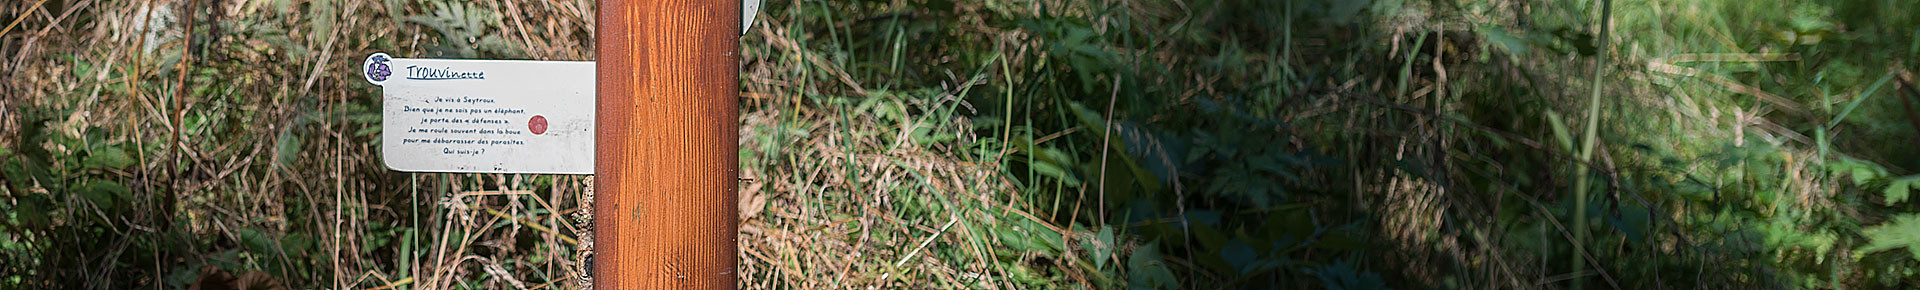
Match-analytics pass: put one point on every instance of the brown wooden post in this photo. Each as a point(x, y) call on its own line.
point(667, 145)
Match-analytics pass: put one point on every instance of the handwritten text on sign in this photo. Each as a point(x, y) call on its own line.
point(493, 116)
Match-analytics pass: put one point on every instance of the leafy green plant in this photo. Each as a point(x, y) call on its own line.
point(1902, 231)
point(466, 31)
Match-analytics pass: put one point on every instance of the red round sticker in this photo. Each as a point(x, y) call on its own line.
point(538, 125)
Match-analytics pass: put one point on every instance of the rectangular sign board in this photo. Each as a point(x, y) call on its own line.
point(485, 116)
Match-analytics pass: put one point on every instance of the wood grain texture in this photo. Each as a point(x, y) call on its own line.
point(667, 145)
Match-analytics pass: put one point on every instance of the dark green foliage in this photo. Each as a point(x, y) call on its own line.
point(1221, 145)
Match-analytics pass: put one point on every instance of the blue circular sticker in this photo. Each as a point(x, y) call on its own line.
point(378, 67)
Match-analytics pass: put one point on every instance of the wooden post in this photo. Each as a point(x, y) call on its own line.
point(667, 145)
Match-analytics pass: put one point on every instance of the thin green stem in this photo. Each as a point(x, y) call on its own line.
point(1586, 151)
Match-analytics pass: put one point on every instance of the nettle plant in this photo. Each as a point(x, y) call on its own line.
point(466, 31)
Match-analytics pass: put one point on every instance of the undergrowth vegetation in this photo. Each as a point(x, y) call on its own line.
point(1145, 144)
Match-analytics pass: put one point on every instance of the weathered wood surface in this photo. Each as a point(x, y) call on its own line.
point(667, 162)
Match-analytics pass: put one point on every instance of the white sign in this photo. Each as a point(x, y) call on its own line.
point(485, 116)
point(490, 116)
point(748, 9)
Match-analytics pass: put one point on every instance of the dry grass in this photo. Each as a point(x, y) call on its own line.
point(275, 142)
point(840, 195)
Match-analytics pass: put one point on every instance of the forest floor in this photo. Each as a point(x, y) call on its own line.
point(1146, 144)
